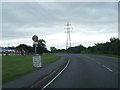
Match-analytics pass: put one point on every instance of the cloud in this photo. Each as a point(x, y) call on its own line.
point(21, 20)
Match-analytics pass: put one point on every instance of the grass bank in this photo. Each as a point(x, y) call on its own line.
point(15, 66)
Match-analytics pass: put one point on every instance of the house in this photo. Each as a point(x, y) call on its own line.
point(9, 52)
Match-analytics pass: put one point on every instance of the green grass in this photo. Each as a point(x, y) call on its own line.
point(15, 66)
point(49, 58)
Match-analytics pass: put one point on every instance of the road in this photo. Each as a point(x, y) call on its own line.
point(88, 71)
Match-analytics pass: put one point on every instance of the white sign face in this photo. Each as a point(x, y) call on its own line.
point(35, 42)
point(37, 61)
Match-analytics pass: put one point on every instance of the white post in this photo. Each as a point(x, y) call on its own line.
point(35, 50)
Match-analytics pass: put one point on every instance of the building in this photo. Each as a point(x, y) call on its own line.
point(9, 52)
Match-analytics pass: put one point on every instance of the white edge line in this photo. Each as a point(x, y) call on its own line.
point(108, 68)
point(56, 75)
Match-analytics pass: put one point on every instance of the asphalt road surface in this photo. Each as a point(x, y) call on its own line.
point(88, 71)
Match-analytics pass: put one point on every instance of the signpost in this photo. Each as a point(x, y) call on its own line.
point(36, 45)
point(36, 59)
point(35, 39)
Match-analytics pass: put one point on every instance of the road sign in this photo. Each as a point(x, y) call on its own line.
point(35, 43)
point(35, 38)
point(37, 61)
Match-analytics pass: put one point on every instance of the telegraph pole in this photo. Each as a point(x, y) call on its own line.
point(68, 41)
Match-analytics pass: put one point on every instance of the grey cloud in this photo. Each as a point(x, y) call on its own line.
point(34, 12)
point(17, 15)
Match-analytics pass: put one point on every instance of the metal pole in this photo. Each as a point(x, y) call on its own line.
point(35, 50)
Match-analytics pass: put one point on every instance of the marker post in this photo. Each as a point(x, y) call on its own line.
point(36, 45)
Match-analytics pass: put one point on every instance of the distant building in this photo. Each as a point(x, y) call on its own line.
point(9, 52)
point(22, 51)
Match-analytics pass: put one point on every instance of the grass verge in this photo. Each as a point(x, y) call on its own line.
point(15, 66)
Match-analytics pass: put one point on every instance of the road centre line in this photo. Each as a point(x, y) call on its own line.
point(56, 75)
point(107, 68)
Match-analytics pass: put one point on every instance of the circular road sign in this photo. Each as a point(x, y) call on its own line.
point(35, 38)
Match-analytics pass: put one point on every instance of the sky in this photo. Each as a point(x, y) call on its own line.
point(91, 22)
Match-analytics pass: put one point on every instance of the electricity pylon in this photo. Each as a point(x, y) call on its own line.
point(68, 42)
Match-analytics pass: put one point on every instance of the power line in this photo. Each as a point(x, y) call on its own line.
point(68, 41)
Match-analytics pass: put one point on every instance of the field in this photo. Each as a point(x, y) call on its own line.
point(15, 66)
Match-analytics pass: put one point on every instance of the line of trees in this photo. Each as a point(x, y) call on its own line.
point(41, 48)
point(112, 47)
point(76, 49)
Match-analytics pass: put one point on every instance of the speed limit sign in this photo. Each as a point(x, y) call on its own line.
point(35, 38)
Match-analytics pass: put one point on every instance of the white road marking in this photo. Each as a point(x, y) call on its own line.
point(105, 66)
point(56, 75)
point(108, 68)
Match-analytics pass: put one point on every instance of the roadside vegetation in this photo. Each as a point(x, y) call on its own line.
point(108, 48)
point(15, 66)
point(111, 48)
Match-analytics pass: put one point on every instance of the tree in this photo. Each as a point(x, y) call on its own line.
point(112, 47)
point(76, 49)
point(61, 50)
point(22, 46)
point(41, 46)
point(53, 49)
point(28, 48)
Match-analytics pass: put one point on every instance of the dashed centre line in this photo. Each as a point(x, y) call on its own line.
point(107, 68)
